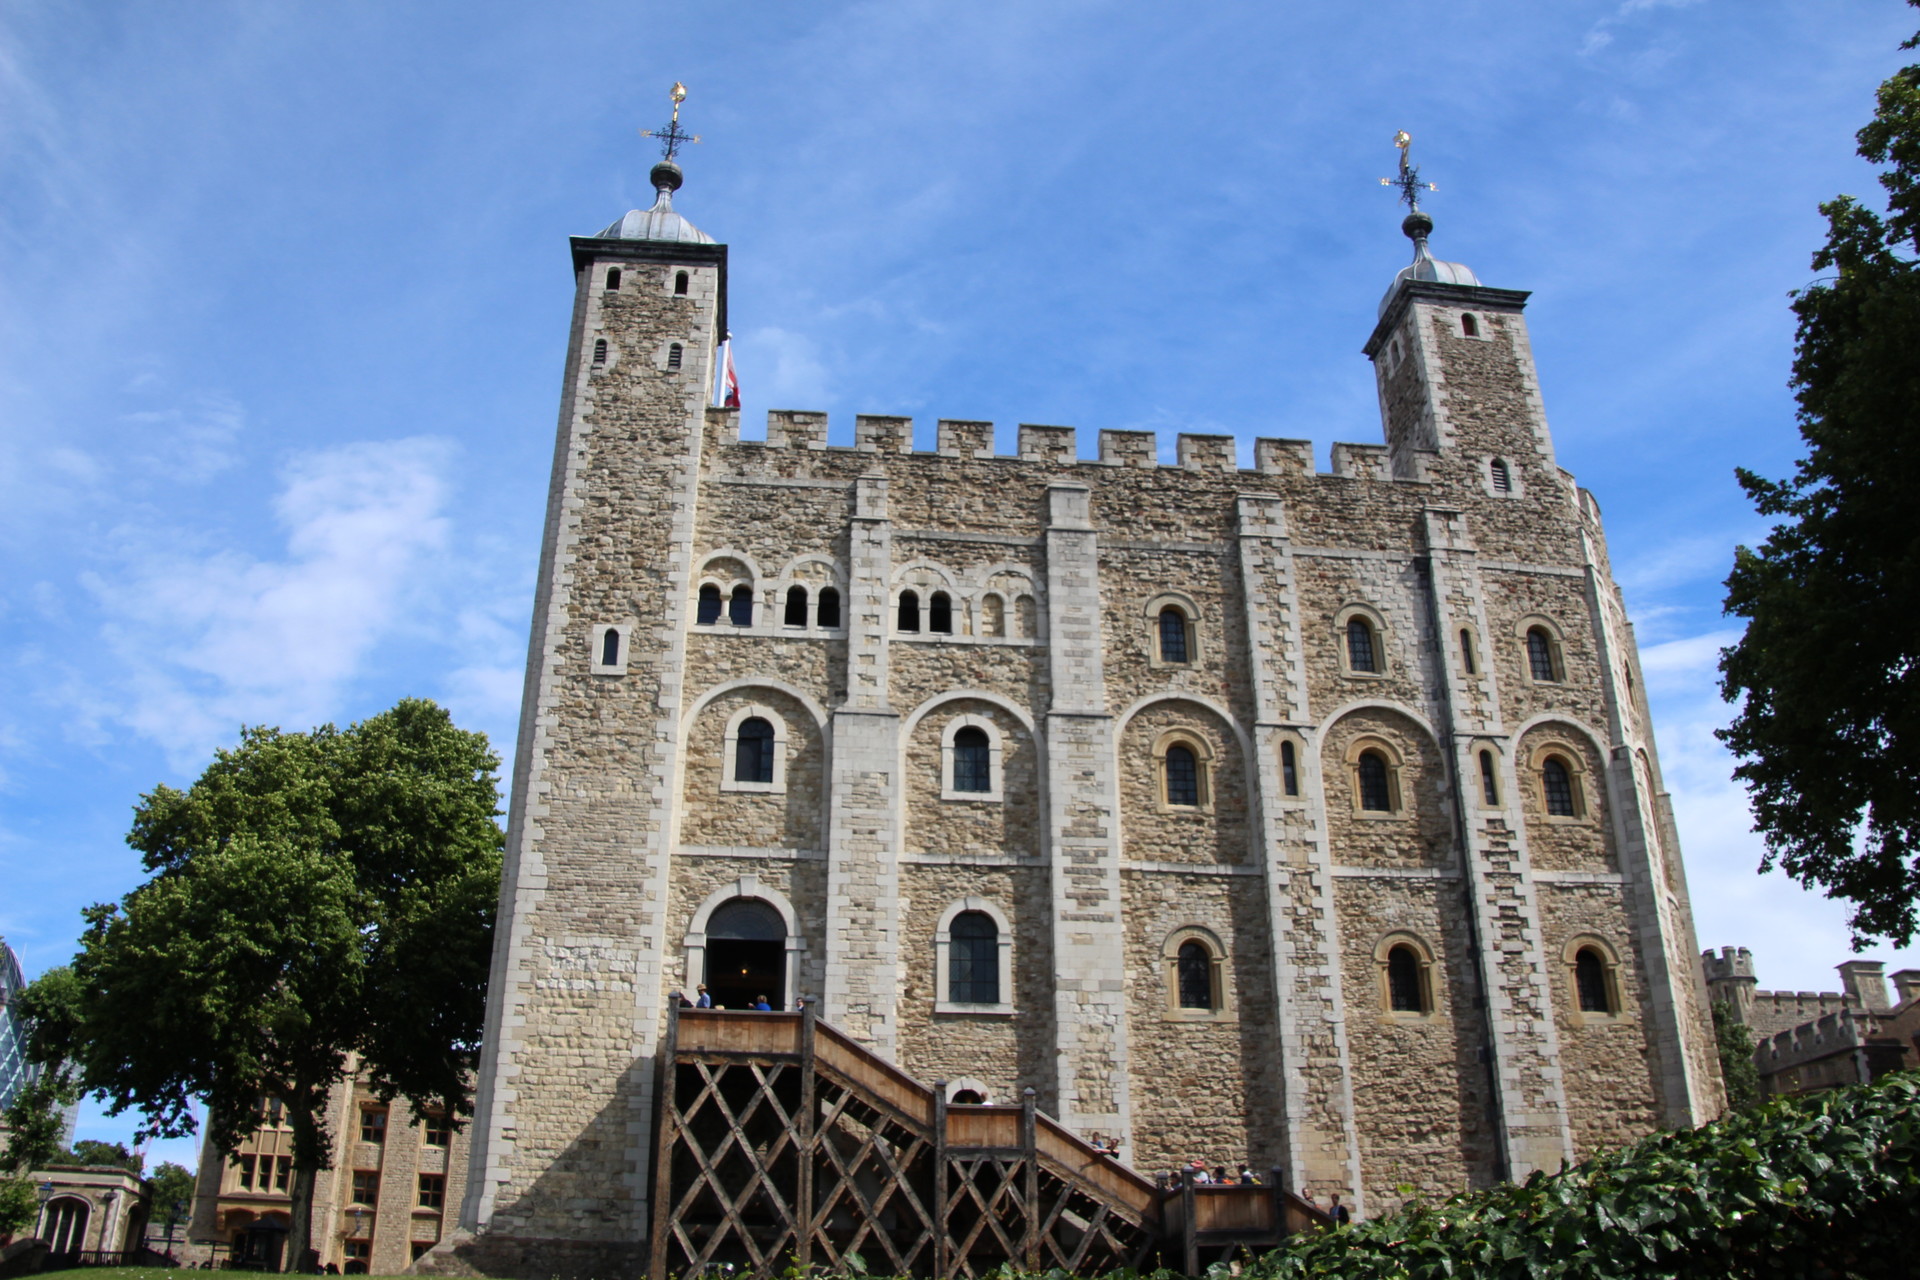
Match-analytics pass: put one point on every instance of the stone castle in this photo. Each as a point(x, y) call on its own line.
point(1306, 820)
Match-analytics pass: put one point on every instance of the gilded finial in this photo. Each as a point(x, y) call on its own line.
point(671, 136)
point(1409, 177)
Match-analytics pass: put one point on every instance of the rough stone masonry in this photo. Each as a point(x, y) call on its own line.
point(1307, 820)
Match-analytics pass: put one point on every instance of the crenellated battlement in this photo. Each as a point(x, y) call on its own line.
point(1058, 446)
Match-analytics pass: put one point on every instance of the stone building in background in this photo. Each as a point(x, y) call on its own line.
point(1805, 1041)
point(1311, 820)
point(389, 1196)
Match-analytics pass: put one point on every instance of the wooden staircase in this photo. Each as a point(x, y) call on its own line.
point(783, 1141)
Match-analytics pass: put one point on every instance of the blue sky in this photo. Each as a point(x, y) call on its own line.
point(284, 293)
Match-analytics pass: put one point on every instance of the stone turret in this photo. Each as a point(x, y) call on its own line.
point(1865, 982)
point(1730, 977)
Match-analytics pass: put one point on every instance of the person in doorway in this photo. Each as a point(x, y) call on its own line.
point(701, 1000)
point(1340, 1214)
point(760, 1003)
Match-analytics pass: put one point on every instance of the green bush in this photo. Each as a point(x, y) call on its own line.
point(1826, 1185)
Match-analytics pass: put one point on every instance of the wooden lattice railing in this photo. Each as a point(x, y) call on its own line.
point(781, 1140)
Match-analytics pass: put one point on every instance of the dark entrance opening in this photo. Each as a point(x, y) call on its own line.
point(746, 955)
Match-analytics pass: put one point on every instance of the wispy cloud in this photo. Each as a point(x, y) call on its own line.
point(196, 644)
point(1600, 35)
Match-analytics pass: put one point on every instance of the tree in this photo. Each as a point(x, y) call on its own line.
point(36, 1119)
point(91, 1151)
point(313, 896)
point(1735, 1044)
point(172, 1195)
point(1827, 674)
point(19, 1205)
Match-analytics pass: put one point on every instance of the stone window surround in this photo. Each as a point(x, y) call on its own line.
point(1429, 1010)
point(1379, 625)
point(702, 577)
point(924, 578)
point(1472, 645)
point(943, 953)
point(1188, 609)
point(1516, 485)
point(1197, 743)
point(1281, 740)
point(1610, 970)
point(1482, 327)
point(1574, 760)
point(730, 758)
point(1556, 647)
point(776, 609)
point(1483, 746)
point(694, 946)
point(599, 640)
point(1396, 796)
point(1223, 1005)
point(997, 773)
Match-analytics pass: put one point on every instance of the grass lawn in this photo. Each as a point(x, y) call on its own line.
point(159, 1273)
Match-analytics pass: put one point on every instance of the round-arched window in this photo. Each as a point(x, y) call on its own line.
point(1194, 969)
point(1404, 988)
point(1376, 791)
point(973, 959)
point(1556, 783)
point(972, 760)
point(753, 751)
point(1590, 981)
point(1183, 776)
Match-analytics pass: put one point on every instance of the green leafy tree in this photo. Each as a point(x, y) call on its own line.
point(172, 1195)
point(1827, 674)
point(1735, 1043)
point(313, 896)
point(19, 1204)
point(91, 1151)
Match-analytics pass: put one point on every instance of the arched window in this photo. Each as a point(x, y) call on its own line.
point(1469, 326)
point(1289, 771)
point(796, 607)
point(1556, 784)
point(1405, 990)
point(909, 618)
point(1173, 635)
point(940, 613)
point(1183, 776)
point(972, 760)
point(610, 648)
point(967, 1098)
point(973, 959)
point(673, 356)
point(599, 351)
point(1489, 788)
point(740, 607)
point(1502, 478)
point(680, 283)
point(1540, 655)
point(1362, 652)
point(1590, 981)
point(828, 613)
point(993, 616)
point(709, 605)
point(613, 278)
point(1376, 789)
point(1466, 651)
point(1025, 618)
point(753, 752)
point(1194, 970)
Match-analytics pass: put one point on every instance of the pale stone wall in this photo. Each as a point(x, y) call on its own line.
point(623, 823)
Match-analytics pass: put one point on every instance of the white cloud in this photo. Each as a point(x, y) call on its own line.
point(190, 444)
point(200, 643)
point(786, 368)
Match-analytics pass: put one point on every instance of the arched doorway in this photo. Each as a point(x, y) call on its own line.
point(746, 954)
point(66, 1224)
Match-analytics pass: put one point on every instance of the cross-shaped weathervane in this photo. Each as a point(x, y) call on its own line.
point(672, 136)
point(1409, 179)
